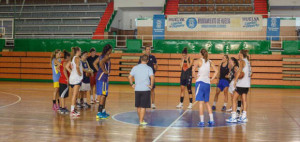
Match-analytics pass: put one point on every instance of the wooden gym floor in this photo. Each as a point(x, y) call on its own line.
point(26, 115)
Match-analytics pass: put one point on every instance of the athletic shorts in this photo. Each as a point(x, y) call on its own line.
point(223, 83)
point(143, 99)
point(63, 90)
point(56, 84)
point(85, 87)
point(72, 85)
point(242, 90)
point(231, 87)
point(202, 91)
point(186, 82)
point(93, 79)
point(101, 87)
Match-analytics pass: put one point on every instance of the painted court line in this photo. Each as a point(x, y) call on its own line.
point(161, 134)
point(19, 99)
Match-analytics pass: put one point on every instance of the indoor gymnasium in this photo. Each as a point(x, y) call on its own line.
point(149, 70)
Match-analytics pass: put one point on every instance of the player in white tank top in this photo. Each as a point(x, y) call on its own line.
point(242, 87)
point(75, 78)
point(202, 92)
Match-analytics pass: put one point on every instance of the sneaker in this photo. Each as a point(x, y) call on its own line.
point(100, 116)
point(201, 124)
point(73, 114)
point(180, 105)
point(77, 112)
point(143, 123)
point(105, 114)
point(229, 110)
point(55, 107)
point(86, 105)
point(243, 119)
point(213, 108)
point(224, 108)
point(211, 123)
point(153, 106)
point(190, 106)
point(78, 105)
point(92, 102)
point(231, 120)
point(66, 111)
point(238, 113)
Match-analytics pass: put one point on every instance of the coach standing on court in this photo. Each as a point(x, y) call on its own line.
point(142, 74)
point(153, 64)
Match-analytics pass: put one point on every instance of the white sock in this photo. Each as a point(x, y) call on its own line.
point(211, 117)
point(84, 100)
point(78, 101)
point(214, 103)
point(238, 108)
point(181, 103)
point(225, 104)
point(103, 110)
point(191, 103)
point(92, 97)
point(233, 115)
point(201, 118)
point(72, 108)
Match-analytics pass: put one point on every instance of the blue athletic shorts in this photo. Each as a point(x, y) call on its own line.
point(223, 83)
point(202, 91)
point(101, 87)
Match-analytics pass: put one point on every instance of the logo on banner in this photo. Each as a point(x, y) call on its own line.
point(273, 22)
point(191, 23)
point(158, 24)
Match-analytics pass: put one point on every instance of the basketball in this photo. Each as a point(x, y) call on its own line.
point(241, 75)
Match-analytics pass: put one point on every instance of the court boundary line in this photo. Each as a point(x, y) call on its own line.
point(162, 133)
point(291, 116)
point(19, 99)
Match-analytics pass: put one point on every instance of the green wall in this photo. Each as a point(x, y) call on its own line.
point(49, 45)
point(2, 44)
point(213, 46)
point(291, 47)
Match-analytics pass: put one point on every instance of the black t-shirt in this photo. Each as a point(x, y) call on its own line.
point(151, 62)
point(91, 60)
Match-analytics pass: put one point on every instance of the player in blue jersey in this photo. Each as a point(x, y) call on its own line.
point(102, 65)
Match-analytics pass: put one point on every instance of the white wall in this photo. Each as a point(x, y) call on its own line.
point(126, 20)
point(285, 13)
point(138, 3)
point(284, 2)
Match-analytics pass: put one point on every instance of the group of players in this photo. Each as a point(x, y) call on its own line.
point(82, 73)
point(232, 75)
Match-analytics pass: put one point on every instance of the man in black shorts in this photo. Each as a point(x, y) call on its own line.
point(153, 64)
point(143, 75)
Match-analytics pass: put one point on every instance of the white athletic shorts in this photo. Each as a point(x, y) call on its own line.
point(85, 87)
point(231, 87)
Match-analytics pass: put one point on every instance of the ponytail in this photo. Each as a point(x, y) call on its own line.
point(53, 55)
point(204, 53)
point(244, 53)
point(66, 54)
point(184, 51)
point(74, 51)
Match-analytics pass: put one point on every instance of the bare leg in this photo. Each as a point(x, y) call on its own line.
point(234, 104)
point(208, 108)
point(201, 109)
point(218, 91)
point(153, 95)
point(226, 95)
point(142, 112)
point(244, 98)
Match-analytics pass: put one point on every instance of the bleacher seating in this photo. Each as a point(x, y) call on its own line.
point(215, 6)
point(48, 20)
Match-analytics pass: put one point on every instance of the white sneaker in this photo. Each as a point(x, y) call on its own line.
point(243, 119)
point(229, 110)
point(180, 105)
point(92, 101)
point(153, 106)
point(190, 106)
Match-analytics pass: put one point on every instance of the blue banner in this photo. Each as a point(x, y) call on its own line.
point(158, 27)
point(273, 29)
